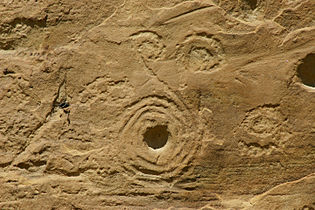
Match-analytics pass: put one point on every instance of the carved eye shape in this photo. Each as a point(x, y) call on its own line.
point(149, 45)
point(199, 53)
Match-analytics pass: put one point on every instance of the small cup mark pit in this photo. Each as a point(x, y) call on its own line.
point(156, 137)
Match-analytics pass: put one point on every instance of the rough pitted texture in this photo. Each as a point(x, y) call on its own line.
point(157, 104)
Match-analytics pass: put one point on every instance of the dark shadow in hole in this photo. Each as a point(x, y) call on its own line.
point(306, 70)
point(156, 137)
point(252, 3)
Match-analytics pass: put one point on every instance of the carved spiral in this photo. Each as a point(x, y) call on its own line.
point(160, 138)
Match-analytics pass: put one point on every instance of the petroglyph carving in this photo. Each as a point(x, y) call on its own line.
point(159, 140)
point(267, 131)
point(200, 52)
point(157, 104)
point(148, 44)
point(263, 122)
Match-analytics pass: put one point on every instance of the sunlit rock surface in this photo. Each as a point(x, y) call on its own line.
point(157, 104)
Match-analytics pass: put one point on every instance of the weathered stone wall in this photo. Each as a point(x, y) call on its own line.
point(157, 104)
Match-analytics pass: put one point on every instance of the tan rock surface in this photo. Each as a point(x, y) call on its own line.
point(157, 104)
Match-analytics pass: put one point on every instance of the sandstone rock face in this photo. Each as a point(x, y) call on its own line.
point(157, 104)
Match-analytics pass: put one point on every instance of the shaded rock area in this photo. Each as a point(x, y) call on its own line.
point(181, 104)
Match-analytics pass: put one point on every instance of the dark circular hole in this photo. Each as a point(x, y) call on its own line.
point(156, 137)
point(248, 4)
point(252, 4)
point(306, 70)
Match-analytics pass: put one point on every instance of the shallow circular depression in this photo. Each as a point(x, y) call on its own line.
point(306, 70)
point(156, 137)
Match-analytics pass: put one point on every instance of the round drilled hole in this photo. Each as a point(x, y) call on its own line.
point(156, 137)
point(306, 70)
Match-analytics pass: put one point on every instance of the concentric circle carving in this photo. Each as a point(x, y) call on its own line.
point(174, 138)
